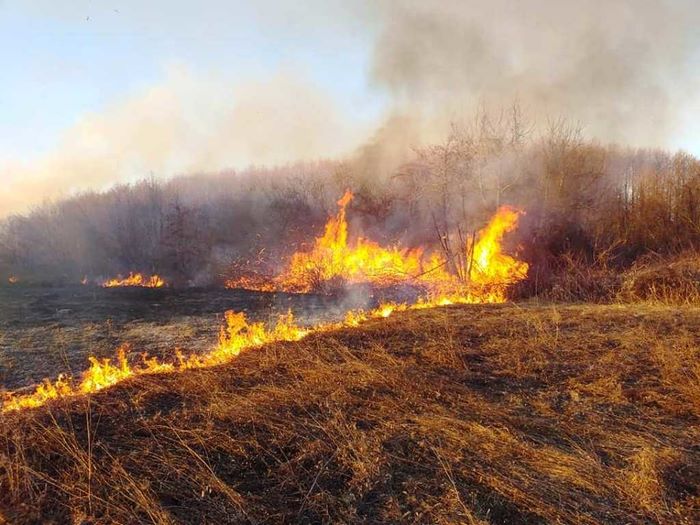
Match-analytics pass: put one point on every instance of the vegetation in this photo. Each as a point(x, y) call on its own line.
point(577, 414)
point(589, 208)
point(515, 413)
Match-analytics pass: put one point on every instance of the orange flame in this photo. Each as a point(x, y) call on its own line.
point(335, 260)
point(135, 279)
point(237, 335)
point(491, 265)
point(101, 374)
point(12, 279)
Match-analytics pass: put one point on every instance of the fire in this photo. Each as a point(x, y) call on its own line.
point(491, 265)
point(259, 283)
point(101, 374)
point(237, 335)
point(489, 273)
point(135, 279)
point(334, 260)
point(12, 279)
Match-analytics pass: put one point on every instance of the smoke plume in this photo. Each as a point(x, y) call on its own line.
point(623, 69)
point(186, 125)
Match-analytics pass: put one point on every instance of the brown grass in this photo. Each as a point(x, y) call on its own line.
point(664, 280)
point(652, 279)
point(505, 414)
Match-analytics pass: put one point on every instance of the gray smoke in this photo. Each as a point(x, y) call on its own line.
point(625, 69)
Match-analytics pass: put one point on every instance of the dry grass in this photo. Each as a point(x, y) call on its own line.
point(652, 279)
point(664, 280)
point(507, 414)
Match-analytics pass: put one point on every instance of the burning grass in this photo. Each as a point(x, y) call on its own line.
point(470, 414)
point(134, 279)
point(489, 274)
point(237, 335)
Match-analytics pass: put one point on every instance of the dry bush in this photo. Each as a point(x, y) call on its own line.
point(583, 200)
point(669, 281)
point(575, 281)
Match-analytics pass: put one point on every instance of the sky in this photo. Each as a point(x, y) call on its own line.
point(62, 60)
point(97, 92)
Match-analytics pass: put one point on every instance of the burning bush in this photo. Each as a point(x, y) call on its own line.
point(335, 262)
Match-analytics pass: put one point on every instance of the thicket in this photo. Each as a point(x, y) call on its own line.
point(595, 214)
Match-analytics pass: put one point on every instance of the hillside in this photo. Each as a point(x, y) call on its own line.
point(471, 414)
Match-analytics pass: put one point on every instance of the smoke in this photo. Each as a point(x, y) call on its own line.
point(623, 68)
point(626, 70)
point(186, 124)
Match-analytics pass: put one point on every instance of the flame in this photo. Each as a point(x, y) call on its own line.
point(259, 283)
point(490, 273)
point(237, 335)
point(334, 260)
point(135, 279)
point(101, 374)
point(491, 265)
point(13, 279)
point(84, 281)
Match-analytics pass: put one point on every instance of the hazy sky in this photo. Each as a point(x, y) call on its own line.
point(94, 92)
point(65, 59)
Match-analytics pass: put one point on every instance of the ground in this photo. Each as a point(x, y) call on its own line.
point(48, 331)
point(518, 413)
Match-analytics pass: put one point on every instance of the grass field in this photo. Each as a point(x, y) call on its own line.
point(475, 414)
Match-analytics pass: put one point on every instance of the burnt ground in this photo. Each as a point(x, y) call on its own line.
point(48, 331)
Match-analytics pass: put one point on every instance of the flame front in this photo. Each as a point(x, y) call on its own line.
point(333, 260)
point(101, 374)
point(237, 335)
point(491, 265)
point(490, 273)
point(137, 280)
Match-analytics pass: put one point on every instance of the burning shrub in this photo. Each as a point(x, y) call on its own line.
point(334, 262)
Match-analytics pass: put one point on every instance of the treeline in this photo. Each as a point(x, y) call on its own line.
point(587, 206)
